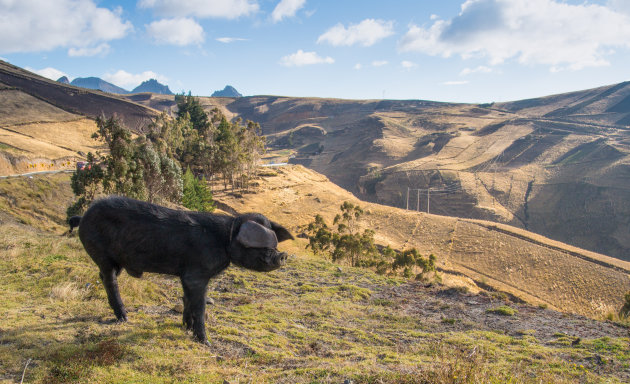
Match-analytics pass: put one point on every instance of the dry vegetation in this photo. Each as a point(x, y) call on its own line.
point(309, 322)
point(492, 319)
point(521, 263)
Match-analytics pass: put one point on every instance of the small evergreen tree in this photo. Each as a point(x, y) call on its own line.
point(197, 195)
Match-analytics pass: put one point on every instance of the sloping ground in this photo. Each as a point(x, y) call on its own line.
point(529, 266)
point(74, 99)
point(37, 136)
point(45, 125)
point(308, 322)
point(555, 165)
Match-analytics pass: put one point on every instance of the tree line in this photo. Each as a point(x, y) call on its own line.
point(170, 162)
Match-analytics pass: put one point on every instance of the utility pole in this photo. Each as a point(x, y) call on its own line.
point(428, 198)
point(418, 206)
point(407, 198)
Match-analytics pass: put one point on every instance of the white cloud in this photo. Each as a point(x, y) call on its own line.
point(455, 82)
point(479, 69)
point(546, 32)
point(358, 66)
point(620, 5)
point(366, 33)
point(48, 72)
point(379, 63)
point(100, 50)
point(301, 58)
point(408, 65)
point(286, 8)
point(32, 26)
point(228, 40)
point(181, 31)
point(128, 80)
point(224, 9)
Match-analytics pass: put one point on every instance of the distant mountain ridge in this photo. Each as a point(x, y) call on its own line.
point(152, 86)
point(228, 91)
point(97, 83)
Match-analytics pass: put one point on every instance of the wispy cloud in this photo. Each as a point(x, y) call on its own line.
point(366, 33)
point(461, 82)
point(100, 50)
point(301, 58)
point(408, 65)
point(379, 63)
point(547, 32)
point(80, 25)
point(358, 66)
point(128, 80)
point(180, 31)
point(479, 69)
point(228, 40)
point(224, 9)
point(48, 72)
point(286, 8)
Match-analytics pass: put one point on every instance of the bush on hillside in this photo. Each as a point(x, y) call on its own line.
point(359, 249)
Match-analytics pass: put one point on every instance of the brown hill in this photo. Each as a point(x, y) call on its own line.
point(557, 165)
point(81, 101)
point(46, 125)
point(470, 252)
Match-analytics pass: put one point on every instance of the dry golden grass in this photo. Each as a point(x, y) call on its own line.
point(47, 146)
point(67, 291)
point(529, 266)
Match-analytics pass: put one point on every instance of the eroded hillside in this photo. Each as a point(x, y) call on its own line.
point(557, 166)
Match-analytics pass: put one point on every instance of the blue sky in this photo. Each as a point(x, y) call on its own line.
point(446, 50)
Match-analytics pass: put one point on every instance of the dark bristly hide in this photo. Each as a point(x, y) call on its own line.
point(121, 233)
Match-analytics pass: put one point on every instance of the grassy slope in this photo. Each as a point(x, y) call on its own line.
point(307, 322)
point(529, 266)
point(37, 136)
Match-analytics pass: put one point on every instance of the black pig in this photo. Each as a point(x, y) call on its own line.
point(121, 233)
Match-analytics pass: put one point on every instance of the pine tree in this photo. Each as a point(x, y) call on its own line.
point(197, 195)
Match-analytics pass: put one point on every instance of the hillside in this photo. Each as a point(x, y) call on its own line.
point(528, 266)
point(46, 125)
point(310, 321)
point(557, 166)
point(80, 101)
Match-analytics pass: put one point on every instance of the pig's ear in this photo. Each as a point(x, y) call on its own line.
point(281, 232)
point(254, 235)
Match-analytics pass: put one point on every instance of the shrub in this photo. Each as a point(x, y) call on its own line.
point(503, 310)
point(625, 309)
